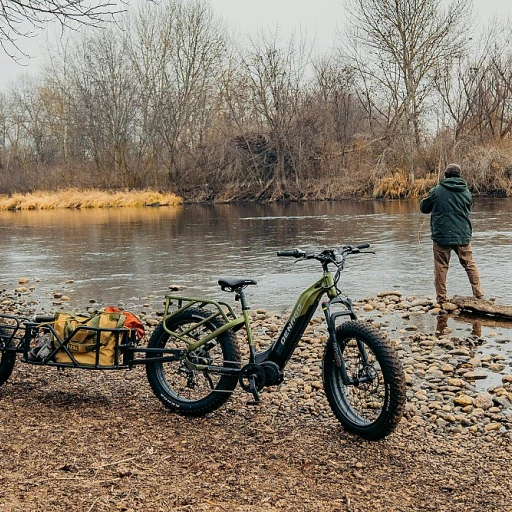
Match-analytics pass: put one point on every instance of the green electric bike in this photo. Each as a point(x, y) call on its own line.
point(193, 361)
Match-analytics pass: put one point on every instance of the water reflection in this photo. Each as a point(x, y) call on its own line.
point(473, 321)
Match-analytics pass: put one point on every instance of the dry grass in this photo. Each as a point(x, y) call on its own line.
point(74, 198)
point(397, 186)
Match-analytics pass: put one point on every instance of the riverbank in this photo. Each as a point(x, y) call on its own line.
point(393, 185)
point(101, 440)
point(87, 198)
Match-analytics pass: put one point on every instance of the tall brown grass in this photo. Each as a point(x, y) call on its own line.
point(74, 198)
point(398, 186)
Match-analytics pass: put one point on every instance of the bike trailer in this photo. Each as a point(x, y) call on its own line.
point(86, 340)
point(87, 336)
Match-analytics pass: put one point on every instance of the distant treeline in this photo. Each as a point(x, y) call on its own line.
point(167, 100)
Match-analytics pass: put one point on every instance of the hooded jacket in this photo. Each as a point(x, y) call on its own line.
point(449, 204)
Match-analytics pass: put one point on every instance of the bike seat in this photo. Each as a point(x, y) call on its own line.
point(231, 284)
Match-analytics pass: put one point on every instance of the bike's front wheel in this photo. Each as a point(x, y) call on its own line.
point(194, 384)
point(371, 401)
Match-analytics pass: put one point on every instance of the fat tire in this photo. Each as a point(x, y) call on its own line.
point(7, 359)
point(165, 391)
point(391, 372)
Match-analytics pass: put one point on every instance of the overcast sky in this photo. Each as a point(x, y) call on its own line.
point(318, 18)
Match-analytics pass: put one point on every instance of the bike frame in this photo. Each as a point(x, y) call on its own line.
point(283, 347)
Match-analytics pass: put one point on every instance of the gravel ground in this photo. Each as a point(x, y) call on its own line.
point(101, 441)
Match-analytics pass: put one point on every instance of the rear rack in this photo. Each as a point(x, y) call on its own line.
point(217, 309)
point(227, 314)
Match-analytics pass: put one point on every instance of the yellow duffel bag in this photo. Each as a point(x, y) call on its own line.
point(85, 342)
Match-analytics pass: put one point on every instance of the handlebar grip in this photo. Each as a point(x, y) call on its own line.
point(295, 253)
point(44, 318)
point(363, 246)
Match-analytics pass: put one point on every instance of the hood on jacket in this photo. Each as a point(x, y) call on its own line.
point(454, 184)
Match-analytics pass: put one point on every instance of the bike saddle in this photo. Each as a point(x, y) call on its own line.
point(231, 284)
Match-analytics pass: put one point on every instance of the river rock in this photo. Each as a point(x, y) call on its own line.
point(475, 375)
point(496, 367)
point(391, 293)
point(458, 383)
point(463, 400)
point(502, 401)
point(484, 401)
point(421, 302)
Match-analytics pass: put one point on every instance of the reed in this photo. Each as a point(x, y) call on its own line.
point(74, 198)
point(398, 186)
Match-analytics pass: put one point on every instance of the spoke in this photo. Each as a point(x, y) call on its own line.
point(366, 399)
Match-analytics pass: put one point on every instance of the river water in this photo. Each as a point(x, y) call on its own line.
point(127, 255)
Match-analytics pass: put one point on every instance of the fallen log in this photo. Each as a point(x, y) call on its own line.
point(482, 306)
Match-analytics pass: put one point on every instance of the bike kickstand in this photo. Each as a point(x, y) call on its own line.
point(254, 391)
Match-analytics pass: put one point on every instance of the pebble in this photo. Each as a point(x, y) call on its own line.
point(463, 400)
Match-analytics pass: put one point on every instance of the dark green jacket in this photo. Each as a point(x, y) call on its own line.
point(449, 204)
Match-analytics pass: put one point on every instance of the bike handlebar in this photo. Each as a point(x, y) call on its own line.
point(295, 253)
point(299, 253)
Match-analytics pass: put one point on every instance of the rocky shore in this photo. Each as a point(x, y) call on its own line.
point(446, 374)
point(456, 433)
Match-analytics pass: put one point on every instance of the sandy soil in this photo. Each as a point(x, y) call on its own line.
point(100, 441)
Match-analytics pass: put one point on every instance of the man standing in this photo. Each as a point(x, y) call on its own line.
point(449, 204)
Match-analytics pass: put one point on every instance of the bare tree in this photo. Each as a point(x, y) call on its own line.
point(339, 106)
point(105, 106)
point(25, 18)
point(477, 91)
point(274, 76)
point(178, 50)
point(398, 44)
point(3, 131)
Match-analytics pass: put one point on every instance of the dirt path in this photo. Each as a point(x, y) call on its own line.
point(99, 441)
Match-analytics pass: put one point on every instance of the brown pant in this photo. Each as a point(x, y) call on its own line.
point(442, 255)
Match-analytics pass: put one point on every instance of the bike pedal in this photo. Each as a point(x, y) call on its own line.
point(254, 402)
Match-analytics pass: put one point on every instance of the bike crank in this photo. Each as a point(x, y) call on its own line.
point(252, 380)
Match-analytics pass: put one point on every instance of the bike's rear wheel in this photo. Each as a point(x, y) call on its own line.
point(177, 385)
point(7, 359)
point(372, 404)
